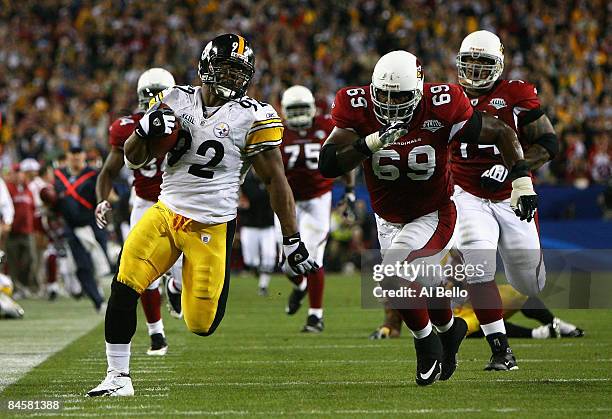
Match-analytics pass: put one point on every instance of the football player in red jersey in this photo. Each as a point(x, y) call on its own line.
point(400, 130)
point(304, 135)
point(147, 182)
point(484, 189)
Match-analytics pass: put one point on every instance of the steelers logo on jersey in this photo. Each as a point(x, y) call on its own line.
point(221, 130)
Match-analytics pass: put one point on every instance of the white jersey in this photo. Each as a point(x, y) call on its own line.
point(201, 178)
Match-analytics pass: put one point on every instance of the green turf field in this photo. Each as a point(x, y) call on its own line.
point(258, 364)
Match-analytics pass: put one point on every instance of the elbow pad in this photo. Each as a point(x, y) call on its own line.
point(550, 143)
point(328, 162)
point(133, 166)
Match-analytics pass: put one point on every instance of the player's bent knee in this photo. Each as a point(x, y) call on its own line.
point(201, 326)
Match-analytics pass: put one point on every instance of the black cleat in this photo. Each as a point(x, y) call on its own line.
point(451, 340)
point(263, 292)
point(313, 325)
point(159, 345)
point(174, 300)
point(429, 359)
point(295, 301)
point(502, 361)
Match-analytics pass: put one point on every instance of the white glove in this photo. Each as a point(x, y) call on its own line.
point(386, 135)
point(101, 210)
point(523, 199)
point(156, 122)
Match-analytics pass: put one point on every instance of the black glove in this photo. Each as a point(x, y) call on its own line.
point(156, 122)
point(494, 178)
point(297, 260)
point(523, 199)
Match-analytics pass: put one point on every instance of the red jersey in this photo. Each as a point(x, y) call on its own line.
point(147, 179)
point(411, 177)
point(508, 100)
point(301, 150)
point(23, 202)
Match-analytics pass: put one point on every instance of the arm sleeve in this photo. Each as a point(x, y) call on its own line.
point(7, 211)
point(266, 131)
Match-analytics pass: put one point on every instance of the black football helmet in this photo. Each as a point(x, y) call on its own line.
point(227, 65)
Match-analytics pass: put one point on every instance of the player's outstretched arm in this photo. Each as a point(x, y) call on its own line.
point(544, 144)
point(110, 170)
point(269, 166)
point(344, 150)
point(523, 199)
point(104, 185)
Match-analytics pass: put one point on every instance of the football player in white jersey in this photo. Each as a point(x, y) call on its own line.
point(223, 132)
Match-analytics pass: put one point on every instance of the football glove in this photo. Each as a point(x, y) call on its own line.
point(348, 200)
point(156, 122)
point(523, 199)
point(386, 135)
point(102, 209)
point(297, 260)
point(494, 178)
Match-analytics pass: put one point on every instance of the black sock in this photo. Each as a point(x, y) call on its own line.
point(498, 342)
point(120, 321)
point(516, 331)
point(535, 309)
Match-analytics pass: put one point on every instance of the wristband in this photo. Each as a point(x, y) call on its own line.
point(520, 169)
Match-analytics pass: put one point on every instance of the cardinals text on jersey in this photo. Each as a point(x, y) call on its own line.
point(147, 179)
point(507, 100)
point(301, 150)
point(204, 171)
point(410, 177)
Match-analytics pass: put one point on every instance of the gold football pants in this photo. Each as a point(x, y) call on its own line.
point(157, 241)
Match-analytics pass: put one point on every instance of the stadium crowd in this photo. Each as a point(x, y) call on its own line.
point(69, 68)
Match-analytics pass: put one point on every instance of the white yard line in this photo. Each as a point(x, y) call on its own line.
point(47, 327)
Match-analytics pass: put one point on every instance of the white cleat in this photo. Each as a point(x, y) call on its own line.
point(115, 384)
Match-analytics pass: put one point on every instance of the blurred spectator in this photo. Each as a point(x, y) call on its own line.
point(600, 158)
point(20, 245)
point(7, 211)
point(76, 198)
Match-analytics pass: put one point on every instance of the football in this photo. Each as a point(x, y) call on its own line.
point(48, 195)
point(158, 147)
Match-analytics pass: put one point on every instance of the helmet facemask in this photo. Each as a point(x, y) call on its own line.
point(299, 115)
point(478, 70)
point(394, 106)
point(228, 78)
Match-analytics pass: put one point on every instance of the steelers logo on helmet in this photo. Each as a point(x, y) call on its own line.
point(227, 65)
